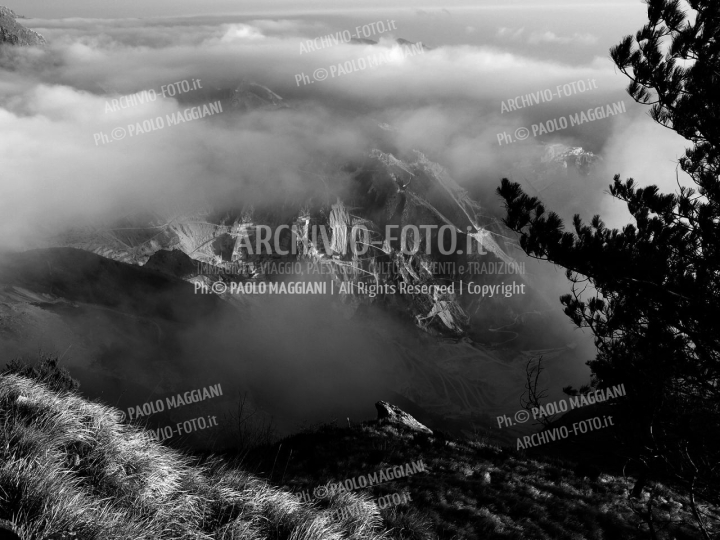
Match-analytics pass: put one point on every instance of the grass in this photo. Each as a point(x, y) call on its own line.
point(473, 489)
point(69, 469)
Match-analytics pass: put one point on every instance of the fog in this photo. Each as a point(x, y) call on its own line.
point(445, 102)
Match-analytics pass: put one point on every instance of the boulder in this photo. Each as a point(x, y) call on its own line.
point(396, 415)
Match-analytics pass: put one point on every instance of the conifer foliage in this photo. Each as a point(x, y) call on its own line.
point(650, 292)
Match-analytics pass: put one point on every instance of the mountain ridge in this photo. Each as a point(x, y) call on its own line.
point(13, 33)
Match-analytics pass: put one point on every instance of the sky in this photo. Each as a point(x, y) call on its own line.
point(165, 8)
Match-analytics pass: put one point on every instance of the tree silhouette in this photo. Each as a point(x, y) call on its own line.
point(650, 292)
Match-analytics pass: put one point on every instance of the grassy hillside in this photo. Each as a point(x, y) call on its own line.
point(69, 469)
point(474, 490)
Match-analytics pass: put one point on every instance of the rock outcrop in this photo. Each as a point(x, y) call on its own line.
point(395, 415)
point(13, 33)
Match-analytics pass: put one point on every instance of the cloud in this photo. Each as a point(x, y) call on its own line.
point(283, 26)
point(536, 37)
point(551, 37)
point(236, 32)
point(509, 33)
point(445, 103)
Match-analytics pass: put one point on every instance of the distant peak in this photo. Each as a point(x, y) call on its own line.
point(250, 95)
point(7, 12)
point(13, 33)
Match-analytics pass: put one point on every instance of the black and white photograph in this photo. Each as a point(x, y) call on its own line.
point(360, 270)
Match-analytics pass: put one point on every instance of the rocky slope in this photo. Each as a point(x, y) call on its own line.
point(13, 33)
point(71, 469)
point(474, 490)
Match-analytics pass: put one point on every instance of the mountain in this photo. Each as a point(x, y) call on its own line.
point(245, 97)
point(250, 95)
point(405, 43)
point(13, 33)
point(363, 41)
point(462, 356)
point(400, 41)
point(551, 164)
point(570, 156)
point(385, 191)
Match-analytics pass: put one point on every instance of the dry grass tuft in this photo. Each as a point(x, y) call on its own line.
point(71, 470)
